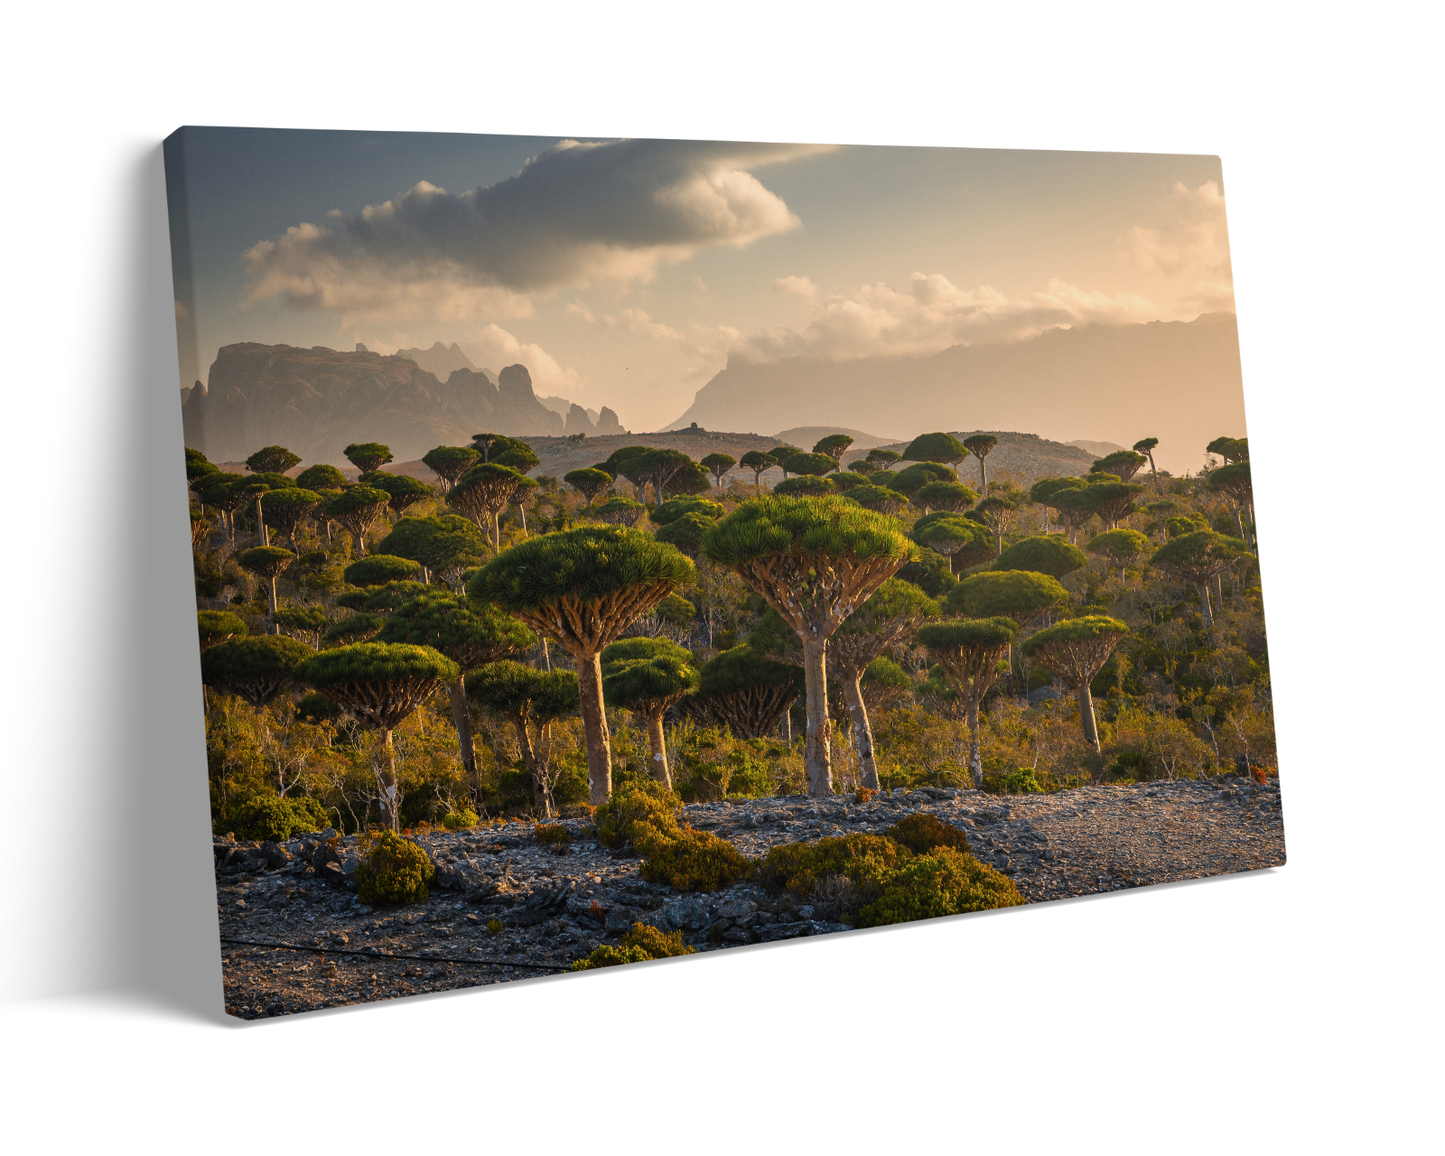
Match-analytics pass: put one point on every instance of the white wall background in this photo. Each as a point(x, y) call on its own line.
point(1289, 1010)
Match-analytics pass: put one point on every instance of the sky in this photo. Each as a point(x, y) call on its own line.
point(626, 273)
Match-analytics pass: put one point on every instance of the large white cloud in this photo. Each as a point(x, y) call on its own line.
point(578, 214)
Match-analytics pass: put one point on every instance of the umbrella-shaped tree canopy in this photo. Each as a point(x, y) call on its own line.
point(909, 481)
point(677, 507)
point(272, 460)
point(936, 447)
point(379, 569)
point(744, 691)
point(378, 684)
point(256, 669)
point(971, 652)
point(1045, 554)
point(483, 492)
point(367, 456)
point(1018, 594)
point(950, 496)
point(619, 511)
point(588, 482)
point(1076, 650)
point(811, 465)
point(450, 462)
point(218, 626)
point(883, 499)
point(648, 676)
point(805, 486)
point(963, 542)
point(321, 477)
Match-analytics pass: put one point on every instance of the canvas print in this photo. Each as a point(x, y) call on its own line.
point(611, 550)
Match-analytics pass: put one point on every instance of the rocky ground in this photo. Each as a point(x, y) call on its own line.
point(295, 938)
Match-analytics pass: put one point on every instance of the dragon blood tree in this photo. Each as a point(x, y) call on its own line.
point(911, 480)
point(814, 561)
point(1198, 557)
point(401, 491)
point(218, 626)
point(267, 562)
point(1120, 547)
point(471, 636)
point(482, 493)
point(367, 456)
point(1022, 595)
point(952, 497)
point(588, 482)
point(356, 509)
point(379, 569)
point(883, 499)
point(833, 445)
point(937, 447)
point(321, 477)
point(647, 676)
point(1076, 650)
point(531, 700)
point(971, 651)
point(450, 462)
point(718, 465)
point(446, 545)
point(1046, 554)
point(379, 684)
point(1123, 464)
point(962, 541)
point(1235, 483)
point(745, 691)
point(1147, 446)
point(256, 669)
point(285, 509)
point(980, 446)
point(758, 462)
point(619, 511)
point(582, 588)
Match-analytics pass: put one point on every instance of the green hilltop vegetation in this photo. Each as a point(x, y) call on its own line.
point(383, 654)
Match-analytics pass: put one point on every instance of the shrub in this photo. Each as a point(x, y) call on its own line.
point(459, 820)
point(642, 803)
point(944, 882)
point(494, 927)
point(803, 867)
point(922, 833)
point(642, 943)
point(395, 871)
point(693, 861)
point(1017, 782)
point(866, 794)
point(276, 819)
point(552, 835)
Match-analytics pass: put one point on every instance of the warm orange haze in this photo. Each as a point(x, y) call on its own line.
point(614, 550)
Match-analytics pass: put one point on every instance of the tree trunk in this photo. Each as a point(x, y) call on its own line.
point(542, 773)
point(787, 723)
point(1204, 603)
point(816, 751)
point(975, 760)
point(594, 722)
point(497, 532)
point(1153, 472)
point(1239, 524)
point(273, 600)
point(360, 544)
point(1219, 590)
point(457, 692)
point(1086, 715)
point(262, 538)
point(390, 812)
point(862, 730)
point(659, 750)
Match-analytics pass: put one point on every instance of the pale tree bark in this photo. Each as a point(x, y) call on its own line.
point(457, 693)
point(817, 753)
point(975, 759)
point(862, 730)
point(786, 728)
point(658, 744)
point(386, 780)
point(1204, 603)
point(1086, 715)
point(594, 718)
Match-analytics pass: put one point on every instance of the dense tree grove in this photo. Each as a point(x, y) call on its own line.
point(485, 638)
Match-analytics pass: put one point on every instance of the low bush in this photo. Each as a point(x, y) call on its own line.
point(642, 943)
point(494, 927)
point(460, 820)
point(943, 882)
point(1017, 782)
point(801, 868)
point(921, 833)
point(693, 861)
point(395, 871)
point(639, 805)
point(552, 834)
point(277, 819)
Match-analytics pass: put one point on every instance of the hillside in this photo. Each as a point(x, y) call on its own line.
point(1177, 381)
point(317, 401)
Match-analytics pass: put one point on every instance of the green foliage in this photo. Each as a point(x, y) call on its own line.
point(968, 634)
point(216, 626)
point(880, 498)
point(379, 569)
point(911, 480)
point(552, 835)
point(370, 662)
point(197, 465)
point(801, 868)
point(272, 460)
point(315, 707)
point(460, 820)
point(517, 690)
point(1230, 449)
point(1085, 629)
point(951, 496)
point(718, 464)
point(805, 486)
point(394, 595)
point(468, 634)
point(846, 480)
point(686, 532)
point(1046, 554)
point(1046, 490)
point(495, 927)
point(1198, 556)
point(1123, 463)
point(1018, 782)
point(770, 526)
point(446, 544)
point(639, 945)
point(354, 628)
point(757, 461)
point(321, 477)
point(881, 457)
point(689, 860)
point(367, 456)
point(935, 447)
point(450, 462)
point(648, 684)
point(1020, 594)
point(394, 872)
point(930, 572)
point(277, 819)
point(813, 465)
point(267, 561)
point(302, 619)
point(965, 542)
point(676, 611)
point(1120, 546)
point(675, 508)
point(922, 832)
point(833, 445)
point(585, 564)
point(359, 504)
point(943, 882)
point(642, 810)
point(588, 482)
point(619, 511)
point(401, 491)
point(255, 668)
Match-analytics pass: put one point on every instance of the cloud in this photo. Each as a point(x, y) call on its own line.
point(932, 314)
point(578, 214)
point(797, 286)
point(494, 346)
point(1193, 243)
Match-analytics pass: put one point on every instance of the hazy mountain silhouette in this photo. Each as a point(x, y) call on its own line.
point(1177, 381)
point(441, 361)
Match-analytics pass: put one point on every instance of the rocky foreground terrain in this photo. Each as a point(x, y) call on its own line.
point(295, 938)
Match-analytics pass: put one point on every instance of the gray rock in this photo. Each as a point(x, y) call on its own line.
point(274, 855)
point(735, 907)
point(619, 920)
point(322, 854)
point(689, 912)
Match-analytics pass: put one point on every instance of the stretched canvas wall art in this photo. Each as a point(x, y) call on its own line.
point(608, 550)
